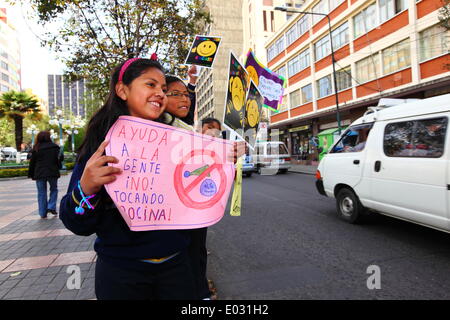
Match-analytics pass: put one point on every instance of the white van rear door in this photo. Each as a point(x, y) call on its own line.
point(345, 162)
point(408, 175)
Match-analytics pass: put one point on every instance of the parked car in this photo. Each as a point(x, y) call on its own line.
point(393, 161)
point(272, 155)
point(9, 153)
point(248, 167)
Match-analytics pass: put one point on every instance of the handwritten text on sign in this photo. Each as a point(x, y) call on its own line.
point(171, 178)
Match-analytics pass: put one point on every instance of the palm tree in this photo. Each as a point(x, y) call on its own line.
point(15, 105)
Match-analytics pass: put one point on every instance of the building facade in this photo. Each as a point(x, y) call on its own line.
point(67, 96)
point(212, 83)
point(9, 55)
point(382, 49)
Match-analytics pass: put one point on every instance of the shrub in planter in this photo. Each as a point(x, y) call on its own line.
point(7, 173)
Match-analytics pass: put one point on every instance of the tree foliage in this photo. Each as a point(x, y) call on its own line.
point(14, 106)
point(444, 14)
point(93, 36)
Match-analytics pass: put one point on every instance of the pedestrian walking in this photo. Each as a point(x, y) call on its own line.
point(44, 166)
point(150, 265)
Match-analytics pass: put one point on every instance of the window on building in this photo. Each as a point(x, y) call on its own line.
point(322, 48)
point(367, 69)
point(340, 36)
point(299, 63)
point(303, 25)
point(396, 57)
point(272, 21)
point(282, 71)
point(265, 20)
point(321, 7)
point(324, 86)
point(365, 21)
point(306, 93)
point(434, 41)
point(420, 138)
point(389, 8)
point(291, 35)
point(5, 66)
point(343, 79)
point(335, 3)
point(294, 98)
point(5, 77)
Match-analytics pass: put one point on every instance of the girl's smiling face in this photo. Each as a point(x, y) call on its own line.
point(178, 99)
point(145, 95)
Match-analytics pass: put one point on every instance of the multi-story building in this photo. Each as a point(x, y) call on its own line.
point(382, 49)
point(212, 83)
point(65, 95)
point(9, 55)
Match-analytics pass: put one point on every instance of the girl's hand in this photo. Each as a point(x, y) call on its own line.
point(192, 74)
point(238, 151)
point(96, 174)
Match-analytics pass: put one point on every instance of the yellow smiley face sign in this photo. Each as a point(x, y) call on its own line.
point(237, 93)
point(206, 48)
point(253, 75)
point(252, 113)
point(203, 51)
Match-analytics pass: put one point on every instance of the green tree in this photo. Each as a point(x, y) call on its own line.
point(15, 106)
point(94, 36)
point(444, 14)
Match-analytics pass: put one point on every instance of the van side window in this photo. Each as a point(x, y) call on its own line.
point(353, 140)
point(419, 138)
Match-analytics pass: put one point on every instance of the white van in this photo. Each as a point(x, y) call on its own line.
point(272, 156)
point(394, 161)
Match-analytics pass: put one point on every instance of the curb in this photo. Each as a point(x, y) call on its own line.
point(303, 172)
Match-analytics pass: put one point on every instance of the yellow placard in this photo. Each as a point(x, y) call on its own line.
point(235, 209)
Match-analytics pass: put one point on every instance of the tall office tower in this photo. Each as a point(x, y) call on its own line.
point(9, 55)
point(212, 83)
point(67, 96)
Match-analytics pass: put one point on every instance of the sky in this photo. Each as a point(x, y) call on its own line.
point(37, 62)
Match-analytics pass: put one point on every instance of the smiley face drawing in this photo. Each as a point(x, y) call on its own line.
point(237, 92)
point(206, 48)
point(252, 113)
point(253, 75)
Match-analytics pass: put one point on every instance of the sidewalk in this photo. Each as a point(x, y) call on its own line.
point(35, 254)
point(305, 169)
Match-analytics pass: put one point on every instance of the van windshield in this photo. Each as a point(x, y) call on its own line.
point(274, 149)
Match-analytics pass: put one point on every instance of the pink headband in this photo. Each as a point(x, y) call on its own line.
point(130, 61)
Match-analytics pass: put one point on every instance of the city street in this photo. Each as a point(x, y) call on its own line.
point(290, 244)
point(287, 244)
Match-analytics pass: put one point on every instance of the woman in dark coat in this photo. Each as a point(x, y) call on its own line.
point(44, 167)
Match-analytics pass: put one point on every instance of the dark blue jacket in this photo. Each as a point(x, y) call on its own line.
point(115, 242)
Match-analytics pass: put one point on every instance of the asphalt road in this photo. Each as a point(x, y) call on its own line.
point(289, 244)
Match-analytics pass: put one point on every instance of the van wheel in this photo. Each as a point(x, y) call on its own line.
point(258, 170)
point(349, 207)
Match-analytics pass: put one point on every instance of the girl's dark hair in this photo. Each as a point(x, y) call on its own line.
point(211, 120)
point(114, 106)
point(171, 79)
point(42, 137)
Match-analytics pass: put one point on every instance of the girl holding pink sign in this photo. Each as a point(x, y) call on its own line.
point(130, 265)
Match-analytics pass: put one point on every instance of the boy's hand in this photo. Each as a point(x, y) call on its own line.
point(96, 174)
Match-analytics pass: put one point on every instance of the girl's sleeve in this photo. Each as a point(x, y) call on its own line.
point(80, 224)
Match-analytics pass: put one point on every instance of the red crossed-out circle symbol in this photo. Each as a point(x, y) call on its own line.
point(183, 192)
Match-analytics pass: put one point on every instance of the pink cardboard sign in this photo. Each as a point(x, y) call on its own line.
point(171, 178)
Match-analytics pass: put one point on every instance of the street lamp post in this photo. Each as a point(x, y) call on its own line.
point(74, 125)
point(32, 130)
point(293, 10)
point(59, 120)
